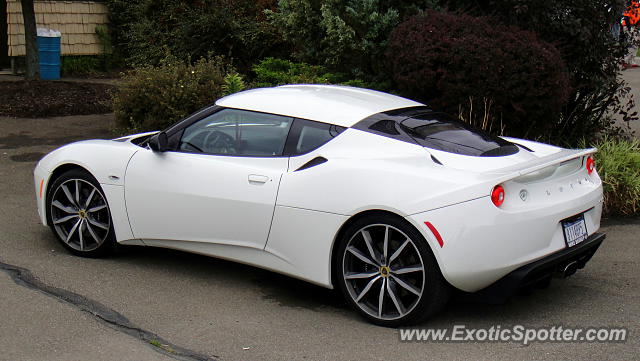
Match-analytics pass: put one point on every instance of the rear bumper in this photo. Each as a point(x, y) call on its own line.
point(483, 243)
point(541, 270)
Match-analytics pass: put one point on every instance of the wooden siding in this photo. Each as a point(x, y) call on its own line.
point(76, 20)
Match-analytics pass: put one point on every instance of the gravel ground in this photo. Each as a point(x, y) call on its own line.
point(54, 98)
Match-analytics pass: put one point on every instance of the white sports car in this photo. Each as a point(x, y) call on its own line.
point(391, 202)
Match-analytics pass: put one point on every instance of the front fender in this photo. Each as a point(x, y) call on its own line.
point(106, 160)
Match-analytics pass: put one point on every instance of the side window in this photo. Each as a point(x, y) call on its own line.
point(237, 132)
point(307, 135)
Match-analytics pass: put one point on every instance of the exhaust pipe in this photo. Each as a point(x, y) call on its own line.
point(570, 269)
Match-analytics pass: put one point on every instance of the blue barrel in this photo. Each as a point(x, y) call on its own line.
point(49, 52)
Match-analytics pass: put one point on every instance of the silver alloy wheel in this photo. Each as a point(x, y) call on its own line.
point(383, 271)
point(80, 215)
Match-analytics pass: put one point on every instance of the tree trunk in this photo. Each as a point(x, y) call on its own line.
point(31, 42)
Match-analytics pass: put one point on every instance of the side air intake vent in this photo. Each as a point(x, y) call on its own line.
point(312, 163)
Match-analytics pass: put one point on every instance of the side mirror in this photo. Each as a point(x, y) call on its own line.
point(158, 143)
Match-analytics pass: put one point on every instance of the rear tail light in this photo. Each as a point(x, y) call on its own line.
point(497, 195)
point(591, 164)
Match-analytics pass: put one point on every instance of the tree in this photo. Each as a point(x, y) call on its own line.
point(145, 31)
point(345, 35)
point(582, 32)
point(31, 41)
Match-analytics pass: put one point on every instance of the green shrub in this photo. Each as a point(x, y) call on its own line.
point(110, 57)
point(618, 163)
point(152, 98)
point(233, 83)
point(81, 65)
point(123, 14)
point(274, 72)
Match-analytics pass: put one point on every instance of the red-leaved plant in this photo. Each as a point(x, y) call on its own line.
point(456, 63)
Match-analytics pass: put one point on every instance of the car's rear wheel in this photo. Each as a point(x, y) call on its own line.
point(388, 273)
point(79, 215)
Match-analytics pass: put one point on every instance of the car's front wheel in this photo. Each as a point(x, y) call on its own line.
point(388, 273)
point(79, 216)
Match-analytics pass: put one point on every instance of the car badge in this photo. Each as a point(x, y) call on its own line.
point(524, 194)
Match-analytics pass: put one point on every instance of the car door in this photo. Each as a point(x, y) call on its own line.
point(219, 184)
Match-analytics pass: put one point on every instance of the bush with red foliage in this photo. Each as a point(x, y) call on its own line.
point(456, 62)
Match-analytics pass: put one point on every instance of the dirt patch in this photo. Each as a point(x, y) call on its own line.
point(27, 157)
point(42, 99)
point(24, 139)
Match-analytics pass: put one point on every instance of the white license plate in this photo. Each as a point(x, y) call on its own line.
point(575, 230)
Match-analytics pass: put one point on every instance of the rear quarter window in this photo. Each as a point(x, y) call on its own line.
point(307, 135)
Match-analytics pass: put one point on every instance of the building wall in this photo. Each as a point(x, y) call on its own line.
point(76, 20)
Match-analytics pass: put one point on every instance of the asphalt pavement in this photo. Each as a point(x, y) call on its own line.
point(154, 304)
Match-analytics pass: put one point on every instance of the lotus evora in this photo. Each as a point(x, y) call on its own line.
point(389, 201)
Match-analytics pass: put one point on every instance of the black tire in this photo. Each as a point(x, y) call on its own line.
point(435, 289)
point(86, 240)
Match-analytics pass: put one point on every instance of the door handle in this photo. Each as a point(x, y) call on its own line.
point(257, 179)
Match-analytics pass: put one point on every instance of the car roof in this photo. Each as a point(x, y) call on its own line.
point(339, 105)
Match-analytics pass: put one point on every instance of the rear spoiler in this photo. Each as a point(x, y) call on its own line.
point(541, 163)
